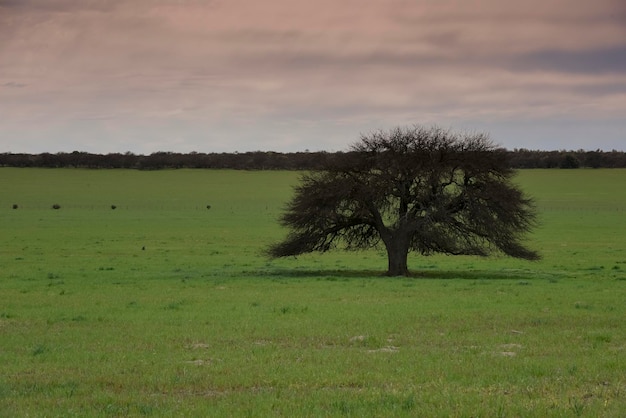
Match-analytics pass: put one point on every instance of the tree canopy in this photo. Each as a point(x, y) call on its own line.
point(421, 189)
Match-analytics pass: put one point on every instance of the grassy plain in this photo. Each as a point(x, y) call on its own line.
point(163, 307)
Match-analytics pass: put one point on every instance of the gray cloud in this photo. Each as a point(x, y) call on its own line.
point(58, 5)
point(14, 85)
point(594, 61)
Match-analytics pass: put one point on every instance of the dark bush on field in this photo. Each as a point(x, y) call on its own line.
point(208, 206)
point(56, 206)
point(15, 206)
point(113, 207)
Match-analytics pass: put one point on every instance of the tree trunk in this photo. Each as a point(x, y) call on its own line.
point(397, 255)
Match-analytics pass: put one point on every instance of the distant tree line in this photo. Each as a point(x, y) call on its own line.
point(258, 160)
point(524, 158)
point(269, 160)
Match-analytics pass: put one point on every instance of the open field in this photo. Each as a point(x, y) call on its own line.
point(162, 307)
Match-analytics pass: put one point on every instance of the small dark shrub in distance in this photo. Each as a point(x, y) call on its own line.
point(113, 207)
point(15, 206)
point(56, 206)
point(208, 206)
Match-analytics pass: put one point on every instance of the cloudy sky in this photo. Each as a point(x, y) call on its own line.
point(290, 75)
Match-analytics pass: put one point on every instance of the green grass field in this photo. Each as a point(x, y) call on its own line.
point(163, 307)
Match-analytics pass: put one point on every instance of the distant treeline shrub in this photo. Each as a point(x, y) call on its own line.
point(269, 160)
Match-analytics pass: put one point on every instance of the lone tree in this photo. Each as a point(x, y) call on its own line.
point(418, 189)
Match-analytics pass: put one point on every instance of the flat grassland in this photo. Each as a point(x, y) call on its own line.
point(165, 307)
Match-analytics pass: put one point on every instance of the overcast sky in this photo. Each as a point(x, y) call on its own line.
point(292, 75)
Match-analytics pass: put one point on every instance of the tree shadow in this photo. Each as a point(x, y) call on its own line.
point(336, 274)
